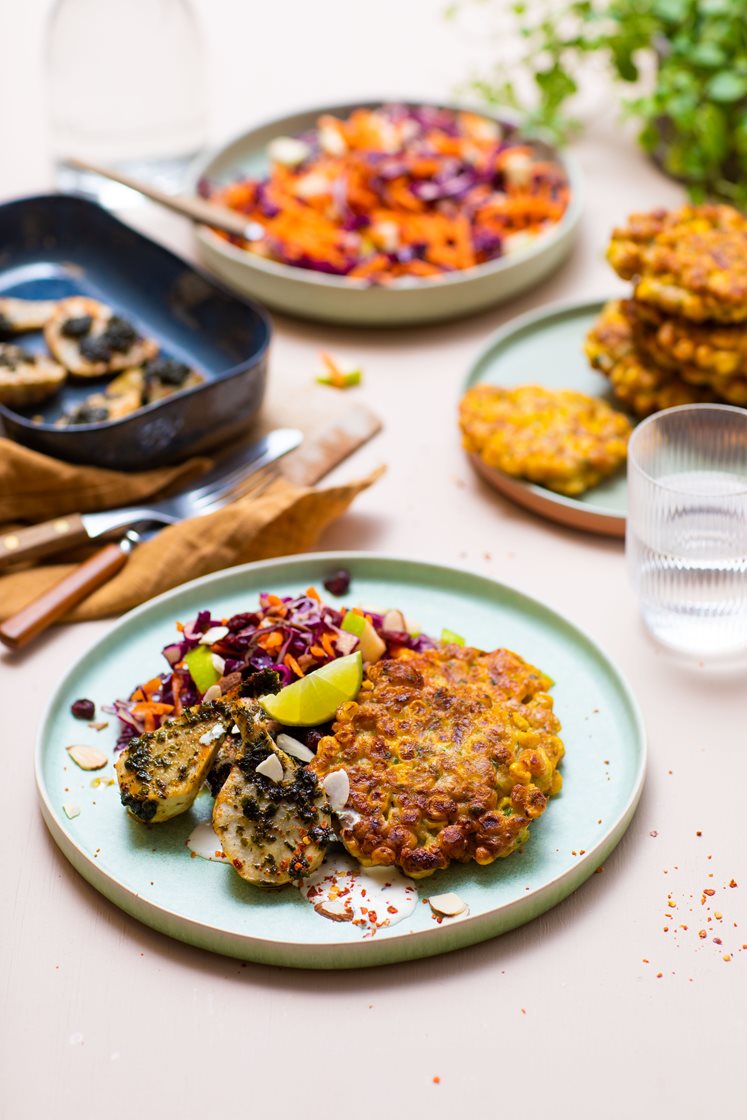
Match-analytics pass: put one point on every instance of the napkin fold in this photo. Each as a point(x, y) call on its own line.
point(284, 519)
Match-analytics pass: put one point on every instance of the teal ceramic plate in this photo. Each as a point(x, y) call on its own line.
point(149, 872)
point(335, 299)
point(545, 347)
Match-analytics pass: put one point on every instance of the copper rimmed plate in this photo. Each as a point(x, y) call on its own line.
point(545, 347)
point(146, 870)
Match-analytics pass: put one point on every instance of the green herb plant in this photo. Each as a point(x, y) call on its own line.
point(693, 118)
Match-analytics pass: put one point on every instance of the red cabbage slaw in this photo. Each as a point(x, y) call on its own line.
point(398, 192)
point(290, 636)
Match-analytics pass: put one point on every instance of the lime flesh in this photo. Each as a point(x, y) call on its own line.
point(316, 698)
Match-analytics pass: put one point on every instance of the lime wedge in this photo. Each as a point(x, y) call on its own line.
point(199, 661)
point(316, 698)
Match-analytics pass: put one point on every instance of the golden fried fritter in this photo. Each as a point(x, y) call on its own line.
point(714, 349)
point(624, 351)
point(700, 276)
point(450, 754)
point(629, 245)
point(637, 382)
point(690, 262)
point(558, 438)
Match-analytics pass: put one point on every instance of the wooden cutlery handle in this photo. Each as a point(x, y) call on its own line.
point(33, 619)
point(198, 209)
point(43, 539)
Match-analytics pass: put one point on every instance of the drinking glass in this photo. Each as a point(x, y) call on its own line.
point(126, 88)
point(686, 538)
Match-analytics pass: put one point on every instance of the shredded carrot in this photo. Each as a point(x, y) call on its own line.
point(293, 665)
point(313, 594)
point(146, 706)
point(271, 641)
point(176, 689)
point(317, 651)
point(274, 600)
point(329, 649)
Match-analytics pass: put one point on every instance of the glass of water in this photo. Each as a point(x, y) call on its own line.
point(687, 527)
point(126, 88)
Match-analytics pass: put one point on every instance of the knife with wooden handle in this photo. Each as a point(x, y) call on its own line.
point(58, 599)
point(324, 449)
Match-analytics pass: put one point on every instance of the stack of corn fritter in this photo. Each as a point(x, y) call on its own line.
point(682, 338)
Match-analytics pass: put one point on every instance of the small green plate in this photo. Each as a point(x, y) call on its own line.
point(545, 347)
point(336, 299)
point(148, 872)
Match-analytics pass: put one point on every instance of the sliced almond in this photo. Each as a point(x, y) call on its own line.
point(338, 909)
point(447, 904)
point(217, 731)
point(88, 758)
point(219, 663)
point(271, 768)
point(213, 693)
point(99, 726)
point(71, 811)
point(337, 787)
point(295, 749)
point(214, 634)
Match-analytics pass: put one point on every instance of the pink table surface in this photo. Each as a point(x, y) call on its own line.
point(610, 1005)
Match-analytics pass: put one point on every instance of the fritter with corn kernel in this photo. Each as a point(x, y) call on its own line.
point(690, 262)
point(614, 347)
point(714, 349)
point(450, 753)
point(561, 439)
point(629, 245)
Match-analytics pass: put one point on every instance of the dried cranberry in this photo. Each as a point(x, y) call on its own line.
point(83, 709)
point(338, 583)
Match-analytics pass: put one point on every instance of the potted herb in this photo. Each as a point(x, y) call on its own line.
point(694, 116)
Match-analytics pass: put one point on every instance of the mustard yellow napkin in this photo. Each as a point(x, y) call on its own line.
point(286, 518)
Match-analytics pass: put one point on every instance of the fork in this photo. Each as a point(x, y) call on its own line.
point(33, 619)
point(216, 488)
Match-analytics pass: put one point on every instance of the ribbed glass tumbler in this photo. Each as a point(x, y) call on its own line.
point(686, 539)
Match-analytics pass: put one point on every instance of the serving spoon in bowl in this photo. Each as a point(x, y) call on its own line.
point(189, 206)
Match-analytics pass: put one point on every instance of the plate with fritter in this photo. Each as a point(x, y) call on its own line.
point(454, 762)
point(575, 438)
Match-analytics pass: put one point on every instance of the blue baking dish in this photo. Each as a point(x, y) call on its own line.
point(52, 246)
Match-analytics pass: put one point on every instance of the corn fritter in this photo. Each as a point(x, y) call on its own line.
point(637, 383)
point(714, 348)
point(561, 439)
point(690, 262)
point(450, 753)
